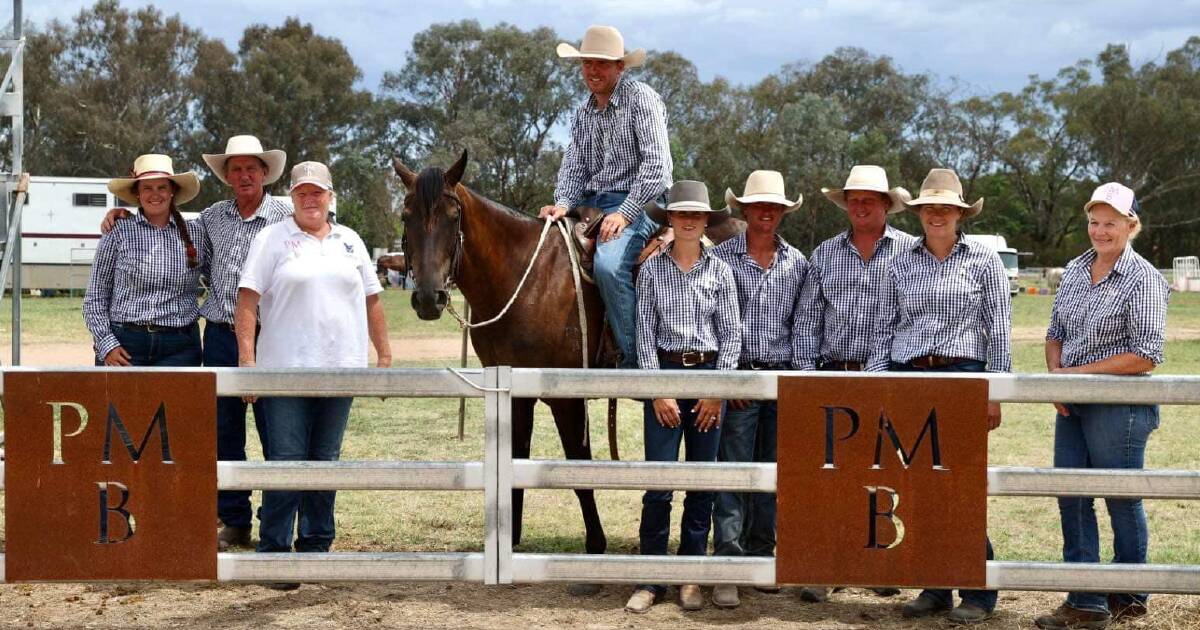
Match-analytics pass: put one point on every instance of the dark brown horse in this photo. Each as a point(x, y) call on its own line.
point(454, 235)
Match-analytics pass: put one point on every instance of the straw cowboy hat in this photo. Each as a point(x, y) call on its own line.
point(686, 196)
point(868, 177)
point(763, 187)
point(603, 42)
point(247, 145)
point(941, 186)
point(154, 166)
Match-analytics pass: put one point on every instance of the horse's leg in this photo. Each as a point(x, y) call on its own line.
point(522, 436)
point(569, 418)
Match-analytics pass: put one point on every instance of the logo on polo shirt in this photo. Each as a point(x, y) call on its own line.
point(349, 248)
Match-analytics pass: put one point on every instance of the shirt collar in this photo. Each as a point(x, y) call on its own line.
point(960, 243)
point(293, 228)
point(1124, 266)
point(139, 217)
point(232, 210)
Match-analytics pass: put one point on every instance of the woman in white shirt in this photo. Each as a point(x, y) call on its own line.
point(314, 288)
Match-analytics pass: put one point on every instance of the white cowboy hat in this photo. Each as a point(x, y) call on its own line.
point(686, 196)
point(603, 42)
point(247, 145)
point(868, 177)
point(941, 186)
point(763, 187)
point(154, 166)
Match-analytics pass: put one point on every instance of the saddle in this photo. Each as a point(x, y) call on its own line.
point(584, 224)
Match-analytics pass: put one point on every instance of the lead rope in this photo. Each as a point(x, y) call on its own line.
point(575, 276)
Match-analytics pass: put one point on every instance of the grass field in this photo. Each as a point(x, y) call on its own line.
point(405, 429)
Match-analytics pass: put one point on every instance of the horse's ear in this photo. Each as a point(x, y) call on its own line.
point(407, 176)
point(454, 175)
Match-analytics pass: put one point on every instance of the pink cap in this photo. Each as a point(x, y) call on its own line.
point(1116, 195)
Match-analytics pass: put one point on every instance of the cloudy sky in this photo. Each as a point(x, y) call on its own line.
point(990, 45)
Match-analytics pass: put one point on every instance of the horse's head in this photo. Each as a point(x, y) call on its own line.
point(432, 233)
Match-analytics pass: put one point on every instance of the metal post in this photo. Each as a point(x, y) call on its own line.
point(491, 426)
point(504, 476)
point(462, 402)
point(18, 147)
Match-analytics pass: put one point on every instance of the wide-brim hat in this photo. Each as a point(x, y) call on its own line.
point(247, 145)
point(763, 187)
point(686, 196)
point(155, 166)
point(1119, 196)
point(872, 178)
point(603, 42)
point(941, 186)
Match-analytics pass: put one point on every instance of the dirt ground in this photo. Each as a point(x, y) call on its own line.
point(468, 606)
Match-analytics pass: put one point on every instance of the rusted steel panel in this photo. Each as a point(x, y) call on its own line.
point(130, 494)
point(882, 482)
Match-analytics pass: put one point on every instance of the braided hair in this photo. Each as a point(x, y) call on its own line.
point(180, 226)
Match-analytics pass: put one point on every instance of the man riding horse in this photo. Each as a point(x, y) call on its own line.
point(619, 159)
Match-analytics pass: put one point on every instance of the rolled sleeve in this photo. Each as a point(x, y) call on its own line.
point(654, 172)
point(997, 317)
point(97, 302)
point(885, 327)
point(647, 323)
point(728, 324)
point(1147, 318)
point(808, 320)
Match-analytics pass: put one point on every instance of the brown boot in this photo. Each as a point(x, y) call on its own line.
point(1123, 609)
point(690, 597)
point(1064, 617)
point(232, 537)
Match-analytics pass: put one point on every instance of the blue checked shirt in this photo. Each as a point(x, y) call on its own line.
point(225, 240)
point(681, 311)
point(958, 307)
point(140, 275)
point(623, 147)
point(767, 298)
point(1124, 312)
point(839, 307)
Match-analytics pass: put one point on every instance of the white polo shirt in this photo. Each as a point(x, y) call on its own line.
point(313, 309)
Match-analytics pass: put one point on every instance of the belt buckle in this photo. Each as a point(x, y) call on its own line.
point(691, 358)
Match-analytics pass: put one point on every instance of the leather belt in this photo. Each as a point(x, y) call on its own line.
point(689, 358)
point(763, 365)
point(935, 361)
point(842, 366)
point(152, 328)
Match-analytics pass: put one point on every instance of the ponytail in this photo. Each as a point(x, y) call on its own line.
point(181, 227)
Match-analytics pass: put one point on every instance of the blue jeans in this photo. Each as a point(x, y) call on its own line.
point(662, 445)
point(171, 348)
point(1103, 436)
point(984, 599)
point(613, 271)
point(744, 522)
point(302, 429)
point(220, 350)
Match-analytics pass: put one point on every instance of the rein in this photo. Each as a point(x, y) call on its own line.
point(575, 274)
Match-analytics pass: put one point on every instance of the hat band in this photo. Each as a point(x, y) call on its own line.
point(939, 192)
point(152, 174)
point(688, 205)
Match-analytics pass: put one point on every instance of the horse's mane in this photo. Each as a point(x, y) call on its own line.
point(431, 182)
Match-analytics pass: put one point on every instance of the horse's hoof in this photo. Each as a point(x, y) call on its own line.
point(584, 590)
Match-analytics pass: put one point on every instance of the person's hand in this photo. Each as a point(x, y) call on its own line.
point(739, 404)
point(666, 410)
point(708, 414)
point(993, 415)
point(117, 357)
point(612, 226)
point(384, 361)
point(110, 219)
point(1062, 409)
point(554, 212)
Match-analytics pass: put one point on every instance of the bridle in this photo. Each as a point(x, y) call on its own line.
point(455, 255)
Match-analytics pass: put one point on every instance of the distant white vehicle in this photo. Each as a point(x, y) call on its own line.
point(60, 228)
point(1008, 256)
